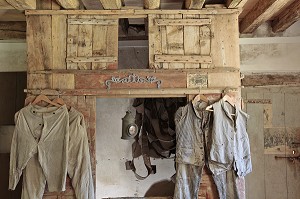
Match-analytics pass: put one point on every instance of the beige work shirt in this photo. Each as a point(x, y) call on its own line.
point(43, 131)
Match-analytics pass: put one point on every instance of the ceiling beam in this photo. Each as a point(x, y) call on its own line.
point(12, 30)
point(287, 18)
point(111, 4)
point(262, 11)
point(12, 15)
point(235, 3)
point(92, 4)
point(22, 4)
point(151, 4)
point(69, 4)
point(5, 6)
point(194, 4)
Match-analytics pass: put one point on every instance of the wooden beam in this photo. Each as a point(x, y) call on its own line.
point(91, 59)
point(271, 80)
point(5, 6)
point(111, 4)
point(183, 58)
point(286, 18)
point(261, 12)
point(127, 92)
point(107, 22)
point(194, 4)
point(12, 30)
point(151, 4)
point(69, 4)
point(12, 15)
point(92, 5)
point(131, 13)
point(235, 3)
point(23, 4)
point(182, 22)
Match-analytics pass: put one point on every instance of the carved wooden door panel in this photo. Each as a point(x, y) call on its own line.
point(274, 132)
point(92, 42)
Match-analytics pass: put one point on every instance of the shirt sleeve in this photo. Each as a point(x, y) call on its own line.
point(79, 168)
point(14, 174)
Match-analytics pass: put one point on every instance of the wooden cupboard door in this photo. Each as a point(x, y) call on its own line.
point(185, 41)
point(292, 122)
point(274, 133)
point(92, 42)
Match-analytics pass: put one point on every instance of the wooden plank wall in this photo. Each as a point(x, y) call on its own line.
point(274, 131)
point(71, 54)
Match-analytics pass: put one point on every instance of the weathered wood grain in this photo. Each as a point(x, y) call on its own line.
point(132, 12)
point(235, 3)
point(183, 58)
point(182, 22)
point(59, 41)
point(191, 40)
point(12, 30)
point(194, 4)
point(155, 39)
point(287, 18)
point(63, 81)
point(276, 168)
point(112, 45)
point(205, 43)
point(151, 4)
point(72, 42)
point(69, 4)
point(225, 47)
point(97, 81)
point(22, 4)
point(85, 44)
point(39, 81)
point(101, 59)
point(175, 41)
point(255, 182)
point(111, 4)
point(98, 21)
point(260, 13)
point(224, 79)
point(99, 44)
point(39, 43)
point(271, 79)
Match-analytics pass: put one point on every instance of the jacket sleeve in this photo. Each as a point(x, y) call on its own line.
point(79, 167)
point(14, 174)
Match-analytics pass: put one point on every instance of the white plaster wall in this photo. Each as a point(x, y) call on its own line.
point(265, 51)
point(13, 56)
point(112, 179)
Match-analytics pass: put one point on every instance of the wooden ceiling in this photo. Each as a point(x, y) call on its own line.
point(281, 13)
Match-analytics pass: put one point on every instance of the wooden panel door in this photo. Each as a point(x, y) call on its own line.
point(92, 42)
point(274, 134)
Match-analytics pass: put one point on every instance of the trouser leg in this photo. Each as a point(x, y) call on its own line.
point(230, 186)
point(34, 180)
point(188, 179)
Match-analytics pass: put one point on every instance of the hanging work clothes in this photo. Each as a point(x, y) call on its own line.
point(41, 133)
point(229, 146)
point(192, 124)
point(79, 163)
point(79, 166)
